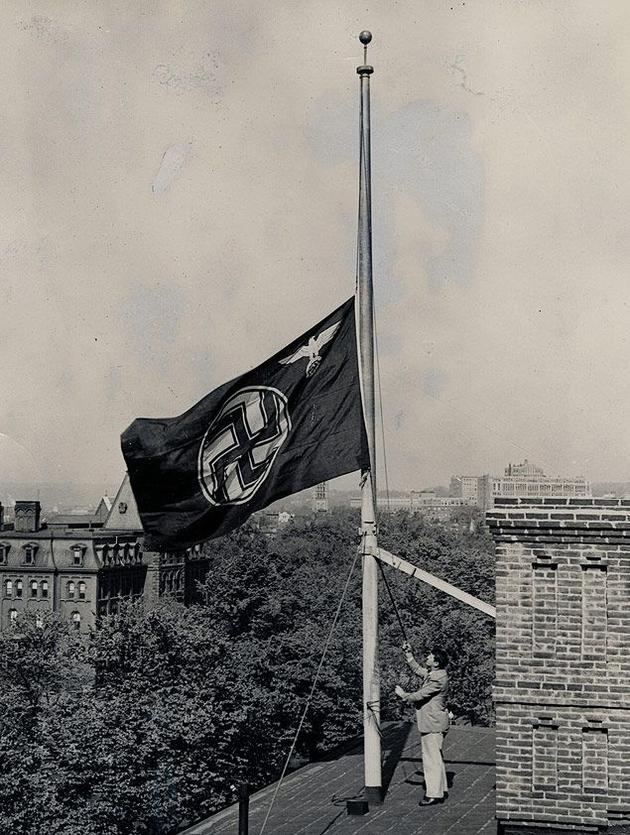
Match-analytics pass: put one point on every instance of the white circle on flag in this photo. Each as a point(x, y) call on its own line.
point(241, 444)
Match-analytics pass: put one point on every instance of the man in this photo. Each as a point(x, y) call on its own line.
point(433, 719)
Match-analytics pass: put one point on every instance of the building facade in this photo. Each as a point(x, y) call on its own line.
point(477, 489)
point(83, 567)
point(320, 498)
point(424, 502)
point(562, 690)
point(529, 481)
point(439, 508)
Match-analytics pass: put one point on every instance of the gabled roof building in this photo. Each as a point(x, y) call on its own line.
point(83, 566)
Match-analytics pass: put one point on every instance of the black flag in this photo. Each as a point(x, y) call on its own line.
point(293, 422)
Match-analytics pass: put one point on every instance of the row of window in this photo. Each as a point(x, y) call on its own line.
point(16, 589)
point(31, 550)
point(75, 589)
point(76, 619)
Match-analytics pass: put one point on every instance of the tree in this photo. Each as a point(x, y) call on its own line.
point(152, 719)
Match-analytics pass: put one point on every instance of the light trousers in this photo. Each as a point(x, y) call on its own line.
point(434, 772)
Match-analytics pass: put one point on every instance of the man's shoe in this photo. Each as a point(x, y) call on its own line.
point(431, 801)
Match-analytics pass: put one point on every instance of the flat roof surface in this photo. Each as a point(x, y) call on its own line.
point(312, 800)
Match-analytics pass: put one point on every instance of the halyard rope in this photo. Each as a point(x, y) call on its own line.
point(391, 597)
point(310, 695)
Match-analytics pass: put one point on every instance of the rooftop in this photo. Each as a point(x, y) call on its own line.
point(312, 800)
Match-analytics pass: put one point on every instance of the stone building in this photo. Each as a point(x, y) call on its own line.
point(83, 566)
point(562, 688)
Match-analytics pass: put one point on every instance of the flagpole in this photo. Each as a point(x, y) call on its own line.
point(371, 682)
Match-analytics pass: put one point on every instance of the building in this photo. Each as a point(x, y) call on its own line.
point(562, 690)
point(529, 481)
point(440, 508)
point(320, 498)
point(476, 488)
point(83, 566)
point(425, 502)
point(386, 504)
point(525, 469)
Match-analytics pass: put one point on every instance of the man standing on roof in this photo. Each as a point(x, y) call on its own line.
point(433, 719)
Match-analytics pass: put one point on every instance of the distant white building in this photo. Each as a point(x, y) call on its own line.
point(475, 488)
point(527, 481)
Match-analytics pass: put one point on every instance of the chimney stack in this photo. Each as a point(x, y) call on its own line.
point(27, 516)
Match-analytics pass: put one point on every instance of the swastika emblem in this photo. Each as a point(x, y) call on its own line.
point(241, 444)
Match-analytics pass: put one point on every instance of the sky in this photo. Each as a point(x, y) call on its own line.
point(179, 200)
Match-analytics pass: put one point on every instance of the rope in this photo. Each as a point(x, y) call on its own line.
point(371, 707)
point(391, 597)
point(310, 695)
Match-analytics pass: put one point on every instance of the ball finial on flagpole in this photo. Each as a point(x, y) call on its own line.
point(365, 37)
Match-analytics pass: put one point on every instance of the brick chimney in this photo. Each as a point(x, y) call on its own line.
point(562, 690)
point(27, 516)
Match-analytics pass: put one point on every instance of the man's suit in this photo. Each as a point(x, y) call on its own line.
point(433, 721)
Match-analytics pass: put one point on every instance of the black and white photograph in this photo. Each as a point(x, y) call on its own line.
point(314, 460)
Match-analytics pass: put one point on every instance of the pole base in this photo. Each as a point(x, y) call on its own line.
point(357, 807)
point(373, 795)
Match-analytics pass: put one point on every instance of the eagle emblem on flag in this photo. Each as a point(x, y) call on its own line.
point(311, 350)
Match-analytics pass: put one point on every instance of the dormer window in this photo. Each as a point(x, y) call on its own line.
point(4, 550)
point(77, 554)
point(30, 549)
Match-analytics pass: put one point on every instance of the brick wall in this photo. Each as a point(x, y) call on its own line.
point(562, 688)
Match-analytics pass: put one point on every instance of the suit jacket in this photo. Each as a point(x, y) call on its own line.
point(430, 699)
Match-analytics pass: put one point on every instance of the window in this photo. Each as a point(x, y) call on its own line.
point(12, 616)
point(76, 621)
point(44, 588)
point(77, 555)
point(33, 588)
point(19, 588)
point(29, 554)
point(9, 588)
point(39, 622)
point(81, 591)
point(70, 588)
point(3, 553)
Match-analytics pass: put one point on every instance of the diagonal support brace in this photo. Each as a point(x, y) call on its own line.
point(432, 580)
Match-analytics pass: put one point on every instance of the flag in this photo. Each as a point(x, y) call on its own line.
point(291, 423)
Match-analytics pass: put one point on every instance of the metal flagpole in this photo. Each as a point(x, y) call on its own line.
point(371, 682)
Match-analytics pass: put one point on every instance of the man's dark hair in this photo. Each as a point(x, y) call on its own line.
point(441, 658)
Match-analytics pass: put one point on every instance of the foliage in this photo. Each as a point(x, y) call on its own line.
point(152, 720)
